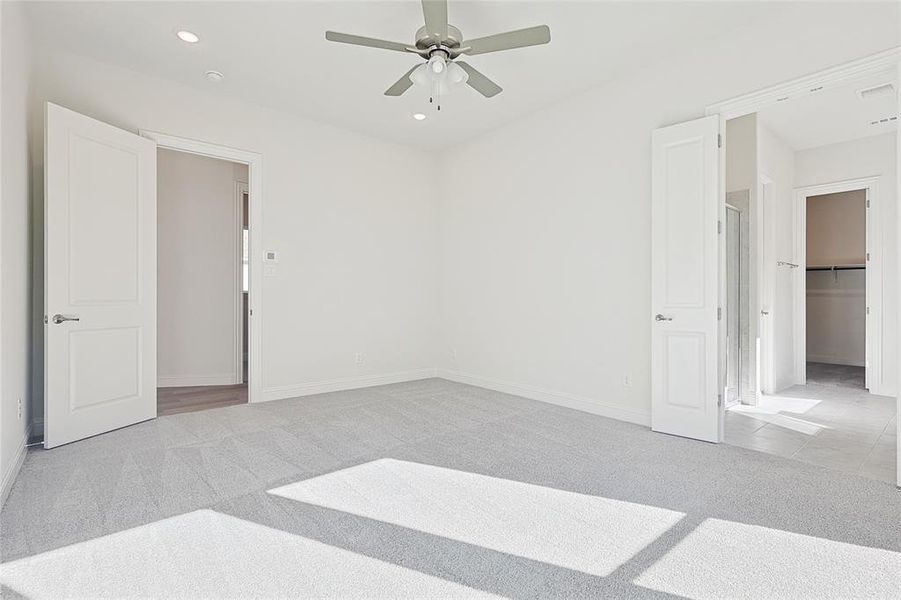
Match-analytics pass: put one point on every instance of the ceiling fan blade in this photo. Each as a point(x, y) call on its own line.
point(435, 13)
point(401, 85)
point(479, 82)
point(532, 36)
point(358, 40)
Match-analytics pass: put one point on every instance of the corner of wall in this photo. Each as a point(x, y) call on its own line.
point(15, 246)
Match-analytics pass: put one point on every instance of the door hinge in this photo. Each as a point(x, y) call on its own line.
point(868, 256)
point(250, 312)
point(719, 140)
point(868, 203)
point(868, 310)
point(719, 313)
point(719, 399)
point(719, 227)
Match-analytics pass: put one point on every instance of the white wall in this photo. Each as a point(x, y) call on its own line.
point(776, 165)
point(867, 157)
point(836, 317)
point(546, 251)
point(741, 154)
point(197, 269)
point(357, 250)
point(15, 255)
point(837, 228)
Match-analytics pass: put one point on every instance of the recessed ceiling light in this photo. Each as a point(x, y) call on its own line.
point(214, 76)
point(419, 116)
point(188, 36)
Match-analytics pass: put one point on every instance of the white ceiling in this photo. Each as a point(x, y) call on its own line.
point(832, 116)
point(275, 53)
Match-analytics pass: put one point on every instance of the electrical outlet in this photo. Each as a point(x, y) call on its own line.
point(20, 409)
point(627, 380)
point(359, 358)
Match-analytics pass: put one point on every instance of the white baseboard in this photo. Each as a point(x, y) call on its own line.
point(568, 400)
point(194, 380)
point(834, 360)
point(345, 383)
point(12, 471)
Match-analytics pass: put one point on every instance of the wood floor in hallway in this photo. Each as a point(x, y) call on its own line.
point(174, 400)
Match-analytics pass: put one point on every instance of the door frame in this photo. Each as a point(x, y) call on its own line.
point(764, 287)
point(254, 162)
point(886, 63)
point(875, 276)
point(727, 315)
point(241, 188)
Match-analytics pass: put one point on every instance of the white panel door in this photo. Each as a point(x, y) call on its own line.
point(685, 280)
point(99, 277)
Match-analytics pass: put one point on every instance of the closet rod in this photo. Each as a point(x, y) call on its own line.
point(838, 268)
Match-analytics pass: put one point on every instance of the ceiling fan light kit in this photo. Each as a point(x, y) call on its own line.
point(440, 45)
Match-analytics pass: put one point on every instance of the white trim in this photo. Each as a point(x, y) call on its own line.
point(254, 162)
point(165, 381)
point(12, 471)
point(831, 359)
point(897, 275)
point(573, 401)
point(875, 278)
point(345, 383)
point(870, 66)
point(722, 294)
point(766, 279)
point(241, 188)
point(582, 403)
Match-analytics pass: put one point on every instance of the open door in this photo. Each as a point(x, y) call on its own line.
point(99, 277)
point(685, 208)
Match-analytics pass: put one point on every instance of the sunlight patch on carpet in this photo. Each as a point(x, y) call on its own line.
point(724, 558)
point(205, 554)
point(591, 534)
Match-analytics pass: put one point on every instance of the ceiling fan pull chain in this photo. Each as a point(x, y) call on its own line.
point(436, 91)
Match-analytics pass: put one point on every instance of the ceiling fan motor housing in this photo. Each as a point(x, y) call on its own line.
point(425, 40)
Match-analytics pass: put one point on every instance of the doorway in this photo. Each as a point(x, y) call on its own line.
point(200, 293)
point(825, 323)
point(238, 200)
point(839, 298)
point(835, 305)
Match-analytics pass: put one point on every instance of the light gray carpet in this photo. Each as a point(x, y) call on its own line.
point(707, 508)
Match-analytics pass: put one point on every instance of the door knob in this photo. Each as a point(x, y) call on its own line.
point(60, 318)
point(660, 317)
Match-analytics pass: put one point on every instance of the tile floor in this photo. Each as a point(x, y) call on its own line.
point(833, 423)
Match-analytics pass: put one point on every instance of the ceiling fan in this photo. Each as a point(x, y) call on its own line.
point(441, 44)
